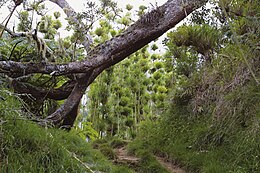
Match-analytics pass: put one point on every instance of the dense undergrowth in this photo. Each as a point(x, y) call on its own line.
point(27, 147)
point(209, 130)
point(212, 123)
point(147, 163)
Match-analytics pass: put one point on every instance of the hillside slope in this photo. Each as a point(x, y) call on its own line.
point(27, 147)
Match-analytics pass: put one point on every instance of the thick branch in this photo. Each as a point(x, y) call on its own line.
point(72, 101)
point(38, 92)
point(21, 69)
point(148, 28)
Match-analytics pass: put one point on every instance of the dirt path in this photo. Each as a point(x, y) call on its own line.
point(171, 167)
point(124, 158)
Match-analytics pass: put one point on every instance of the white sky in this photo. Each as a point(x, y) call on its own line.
point(121, 3)
point(78, 5)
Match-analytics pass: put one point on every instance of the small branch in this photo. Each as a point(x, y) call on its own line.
point(10, 15)
point(17, 3)
point(13, 49)
point(7, 30)
point(71, 14)
point(32, 35)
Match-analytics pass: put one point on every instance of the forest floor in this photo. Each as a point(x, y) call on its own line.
point(124, 158)
point(171, 167)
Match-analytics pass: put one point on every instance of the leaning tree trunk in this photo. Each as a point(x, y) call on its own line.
point(148, 28)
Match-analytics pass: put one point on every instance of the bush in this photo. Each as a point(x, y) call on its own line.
point(27, 147)
point(117, 143)
point(107, 151)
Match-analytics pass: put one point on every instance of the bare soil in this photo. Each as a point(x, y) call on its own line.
point(171, 167)
point(124, 158)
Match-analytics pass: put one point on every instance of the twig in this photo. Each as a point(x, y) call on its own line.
point(17, 3)
point(76, 158)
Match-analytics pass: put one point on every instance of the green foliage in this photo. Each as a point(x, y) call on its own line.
point(86, 131)
point(142, 9)
point(124, 101)
point(107, 151)
point(117, 143)
point(149, 164)
point(99, 31)
point(49, 27)
point(25, 21)
point(56, 14)
point(27, 147)
point(125, 20)
point(99, 142)
point(56, 24)
point(129, 7)
point(203, 38)
point(212, 121)
point(154, 47)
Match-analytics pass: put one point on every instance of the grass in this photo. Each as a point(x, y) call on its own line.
point(147, 163)
point(189, 146)
point(224, 137)
point(27, 147)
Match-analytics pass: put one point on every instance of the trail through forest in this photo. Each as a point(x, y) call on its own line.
point(171, 167)
point(124, 158)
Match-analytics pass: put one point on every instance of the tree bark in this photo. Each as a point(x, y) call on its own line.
point(69, 120)
point(72, 101)
point(149, 27)
point(39, 92)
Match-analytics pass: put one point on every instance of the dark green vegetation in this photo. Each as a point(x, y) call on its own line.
point(146, 163)
point(212, 122)
point(27, 147)
point(197, 104)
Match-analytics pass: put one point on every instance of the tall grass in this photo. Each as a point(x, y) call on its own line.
point(27, 147)
point(204, 143)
